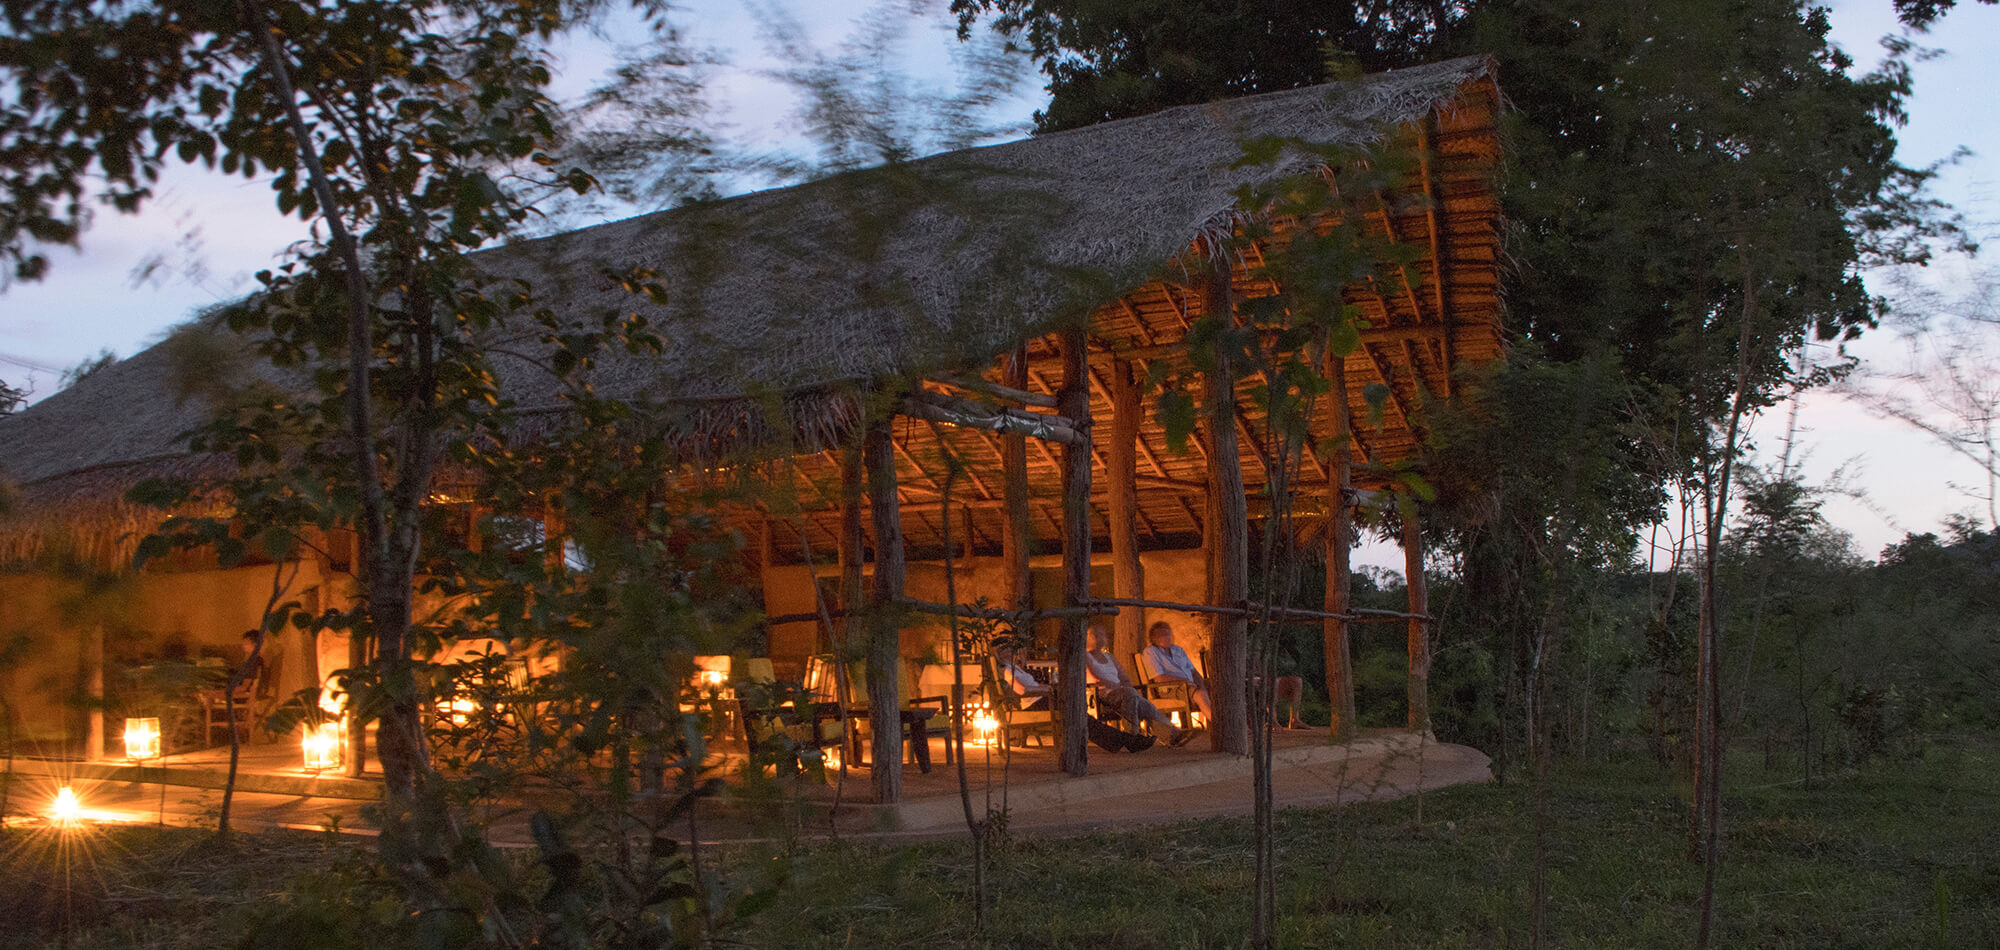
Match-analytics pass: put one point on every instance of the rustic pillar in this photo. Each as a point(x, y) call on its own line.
point(1128, 577)
point(884, 646)
point(1230, 535)
point(354, 761)
point(1420, 605)
point(849, 552)
point(1339, 554)
point(93, 689)
point(1015, 539)
point(1073, 402)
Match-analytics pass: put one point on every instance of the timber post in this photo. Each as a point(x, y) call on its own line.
point(884, 645)
point(1015, 541)
point(93, 690)
point(1230, 535)
point(849, 552)
point(1418, 689)
point(1128, 577)
point(1073, 402)
point(1339, 555)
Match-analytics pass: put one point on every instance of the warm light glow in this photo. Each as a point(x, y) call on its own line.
point(142, 738)
point(984, 729)
point(714, 679)
point(462, 710)
point(66, 809)
point(832, 754)
point(322, 744)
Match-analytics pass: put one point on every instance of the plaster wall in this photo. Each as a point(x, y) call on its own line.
point(148, 616)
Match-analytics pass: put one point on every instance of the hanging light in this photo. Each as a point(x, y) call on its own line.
point(322, 744)
point(142, 738)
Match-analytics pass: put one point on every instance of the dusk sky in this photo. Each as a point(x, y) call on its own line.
point(205, 235)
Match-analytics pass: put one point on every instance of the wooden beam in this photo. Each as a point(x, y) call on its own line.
point(953, 410)
point(1388, 377)
point(1128, 577)
point(997, 391)
point(849, 543)
point(1171, 350)
point(1073, 751)
point(1016, 542)
point(1111, 398)
point(1426, 140)
point(884, 647)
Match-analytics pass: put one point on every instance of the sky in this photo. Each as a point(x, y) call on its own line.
point(203, 238)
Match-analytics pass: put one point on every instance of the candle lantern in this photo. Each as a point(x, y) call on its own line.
point(142, 738)
point(985, 728)
point(322, 744)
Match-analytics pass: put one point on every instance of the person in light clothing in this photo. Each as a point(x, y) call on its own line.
point(1036, 694)
point(1171, 665)
point(1118, 697)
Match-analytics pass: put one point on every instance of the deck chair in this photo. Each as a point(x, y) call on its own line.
point(1171, 698)
point(1007, 708)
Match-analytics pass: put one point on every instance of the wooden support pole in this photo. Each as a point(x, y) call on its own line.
point(1128, 577)
point(884, 647)
point(1420, 646)
point(1015, 541)
point(93, 690)
point(1073, 401)
point(1230, 536)
point(1339, 557)
point(850, 542)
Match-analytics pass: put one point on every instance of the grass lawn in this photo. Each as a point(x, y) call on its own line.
point(1883, 857)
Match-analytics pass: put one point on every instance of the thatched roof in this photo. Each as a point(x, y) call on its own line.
point(785, 296)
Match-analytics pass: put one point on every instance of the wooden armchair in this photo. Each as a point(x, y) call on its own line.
point(1171, 697)
point(1007, 708)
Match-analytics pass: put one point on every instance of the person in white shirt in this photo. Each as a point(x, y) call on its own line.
point(1117, 697)
point(1036, 695)
point(1171, 665)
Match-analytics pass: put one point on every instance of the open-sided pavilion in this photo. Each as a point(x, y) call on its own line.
point(1002, 308)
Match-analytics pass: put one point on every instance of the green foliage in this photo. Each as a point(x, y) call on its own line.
point(1116, 60)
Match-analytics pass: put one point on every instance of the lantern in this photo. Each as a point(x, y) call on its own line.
point(66, 809)
point(321, 745)
point(142, 738)
point(984, 728)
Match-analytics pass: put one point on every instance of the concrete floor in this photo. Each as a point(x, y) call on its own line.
point(1159, 785)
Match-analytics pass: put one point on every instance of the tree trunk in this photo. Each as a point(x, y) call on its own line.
point(1339, 558)
point(885, 702)
point(1231, 534)
point(1419, 684)
point(1073, 402)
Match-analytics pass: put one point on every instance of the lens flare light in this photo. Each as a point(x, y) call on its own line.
point(66, 809)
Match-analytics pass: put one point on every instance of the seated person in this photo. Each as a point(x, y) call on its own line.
point(1118, 697)
point(1171, 665)
point(1036, 695)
